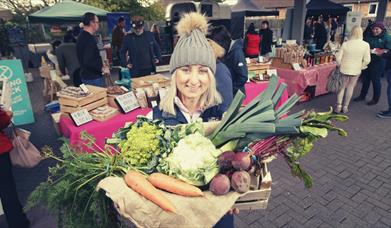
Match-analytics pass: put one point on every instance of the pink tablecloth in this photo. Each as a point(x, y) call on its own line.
point(100, 130)
point(298, 81)
point(103, 130)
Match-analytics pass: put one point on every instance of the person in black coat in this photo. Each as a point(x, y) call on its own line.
point(142, 49)
point(320, 36)
point(308, 30)
point(266, 38)
point(234, 58)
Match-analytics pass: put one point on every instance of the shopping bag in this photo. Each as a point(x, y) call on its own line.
point(335, 81)
point(24, 153)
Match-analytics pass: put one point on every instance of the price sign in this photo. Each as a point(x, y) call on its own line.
point(296, 66)
point(84, 88)
point(81, 117)
point(270, 72)
point(127, 102)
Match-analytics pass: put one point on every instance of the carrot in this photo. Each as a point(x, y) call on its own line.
point(173, 185)
point(139, 184)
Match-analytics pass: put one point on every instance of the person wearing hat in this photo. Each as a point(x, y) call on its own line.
point(193, 92)
point(379, 42)
point(140, 52)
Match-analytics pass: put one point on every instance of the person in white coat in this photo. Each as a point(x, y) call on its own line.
point(353, 57)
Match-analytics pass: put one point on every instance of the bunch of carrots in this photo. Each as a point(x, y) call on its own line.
point(148, 188)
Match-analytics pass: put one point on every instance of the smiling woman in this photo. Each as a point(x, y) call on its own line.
point(193, 92)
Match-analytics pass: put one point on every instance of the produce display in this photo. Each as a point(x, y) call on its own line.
point(115, 90)
point(103, 113)
point(183, 160)
point(5, 94)
point(72, 91)
point(291, 53)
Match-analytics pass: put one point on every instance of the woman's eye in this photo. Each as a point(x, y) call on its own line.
point(203, 70)
point(185, 69)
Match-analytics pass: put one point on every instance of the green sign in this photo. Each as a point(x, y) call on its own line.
point(21, 106)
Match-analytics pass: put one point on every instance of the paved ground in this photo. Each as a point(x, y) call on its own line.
point(352, 176)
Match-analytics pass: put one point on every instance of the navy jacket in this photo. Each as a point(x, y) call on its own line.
point(224, 84)
point(236, 63)
point(266, 40)
point(179, 118)
point(128, 45)
point(88, 55)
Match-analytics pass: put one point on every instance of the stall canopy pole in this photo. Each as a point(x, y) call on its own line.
point(381, 10)
point(299, 13)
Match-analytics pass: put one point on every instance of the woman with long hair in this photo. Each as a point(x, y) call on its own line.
point(156, 33)
point(353, 56)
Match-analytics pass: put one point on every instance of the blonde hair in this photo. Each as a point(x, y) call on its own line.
point(210, 98)
point(356, 33)
point(155, 28)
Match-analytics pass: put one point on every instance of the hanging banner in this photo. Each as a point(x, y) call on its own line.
point(21, 105)
point(352, 19)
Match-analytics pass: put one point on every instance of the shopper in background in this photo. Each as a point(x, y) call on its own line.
point(387, 113)
point(140, 52)
point(252, 42)
point(353, 56)
point(51, 54)
point(334, 27)
point(67, 59)
point(156, 33)
point(379, 41)
point(8, 195)
point(266, 38)
point(117, 37)
point(223, 76)
point(234, 58)
point(91, 65)
point(368, 29)
point(320, 34)
point(308, 30)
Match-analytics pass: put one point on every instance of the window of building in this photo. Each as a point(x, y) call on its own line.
point(350, 6)
point(372, 9)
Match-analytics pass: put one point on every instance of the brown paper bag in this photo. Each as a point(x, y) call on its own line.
point(191, 211)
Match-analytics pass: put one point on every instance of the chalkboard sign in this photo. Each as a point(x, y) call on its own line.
point(81, 117)
point(127, 102)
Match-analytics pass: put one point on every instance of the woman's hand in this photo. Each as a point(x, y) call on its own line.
point(234, 211)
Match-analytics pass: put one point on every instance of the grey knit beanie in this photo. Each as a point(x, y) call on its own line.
point(192, 46)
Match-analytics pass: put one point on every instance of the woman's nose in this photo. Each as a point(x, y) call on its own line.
point(194, 77)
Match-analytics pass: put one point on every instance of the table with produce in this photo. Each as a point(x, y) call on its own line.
point(155, 175)
point(314, 68)
point(101, 130)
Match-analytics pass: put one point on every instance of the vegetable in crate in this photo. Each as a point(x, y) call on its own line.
point(220, 184)
point(193, 160)
point(240, 181)
point(173, 185)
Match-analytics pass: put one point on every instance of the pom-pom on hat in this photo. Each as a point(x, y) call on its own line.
point(192, 47)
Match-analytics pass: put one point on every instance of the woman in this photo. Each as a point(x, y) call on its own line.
point(9, 199)
point(252, 42)
point(378, 40)
point(193, 91)
point(353, 56)
point(266, 35)
point(156, 34)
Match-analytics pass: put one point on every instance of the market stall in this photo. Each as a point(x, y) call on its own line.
point(102, 130)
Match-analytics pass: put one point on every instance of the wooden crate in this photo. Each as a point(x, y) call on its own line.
point(97, 98)
point(260, 190)
point(88, 107)
point(258, 68)
point(147, 81)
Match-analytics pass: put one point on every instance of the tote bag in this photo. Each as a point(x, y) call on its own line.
point(24, 154)
point(335, 81)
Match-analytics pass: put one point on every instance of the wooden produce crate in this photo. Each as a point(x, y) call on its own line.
point(258, 196)
point(96, 98)
point(148, 81)
point(5, 93)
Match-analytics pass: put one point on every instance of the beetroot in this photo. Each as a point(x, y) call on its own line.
point(240, 181)
point(220, 185)
point(241, 161)
point(225, 160)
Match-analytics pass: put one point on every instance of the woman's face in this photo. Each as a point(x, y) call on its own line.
point(192, 81)
point(376, 31)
